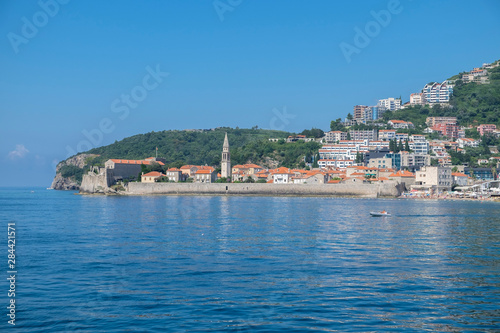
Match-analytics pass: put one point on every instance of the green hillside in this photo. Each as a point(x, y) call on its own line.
point(204, 147)
point(471, 103)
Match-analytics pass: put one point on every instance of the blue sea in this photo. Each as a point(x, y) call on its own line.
point(249, 264)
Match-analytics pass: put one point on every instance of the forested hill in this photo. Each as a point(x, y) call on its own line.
point(199, 147)
point(471, 103)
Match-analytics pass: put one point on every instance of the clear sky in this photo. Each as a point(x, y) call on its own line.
point(75, 74)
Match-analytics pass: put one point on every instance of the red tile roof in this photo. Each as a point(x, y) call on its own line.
point(153, 174)
point(402, 173)
point(119, 161)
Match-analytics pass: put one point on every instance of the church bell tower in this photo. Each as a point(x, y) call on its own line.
point(226, 160)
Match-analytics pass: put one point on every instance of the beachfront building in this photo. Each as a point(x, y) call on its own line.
point(435, 178)
point(438, 93)
point(461, 179)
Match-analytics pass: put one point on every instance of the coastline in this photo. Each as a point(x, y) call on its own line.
point(362, 190)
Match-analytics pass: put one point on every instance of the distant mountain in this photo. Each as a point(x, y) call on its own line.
point(199, 147)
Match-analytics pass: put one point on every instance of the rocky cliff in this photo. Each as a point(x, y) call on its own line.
point(70, 183)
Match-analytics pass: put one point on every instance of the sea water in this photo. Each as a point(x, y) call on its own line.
point(243, 263)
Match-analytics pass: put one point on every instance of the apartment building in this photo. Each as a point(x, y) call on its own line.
point(364, 134)
point(433, 121)
point(391, 104)
point(434, 178)
point(436, 93)
point(486, 128)
point(417, 99)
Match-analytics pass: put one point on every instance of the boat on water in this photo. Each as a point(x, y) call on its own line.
point(382, 213)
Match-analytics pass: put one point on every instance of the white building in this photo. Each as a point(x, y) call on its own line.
point(391, 104)
point(363, 134)
point(400, 124)
point(434, 177)
point(436, 93)
point(335, 136)
point(417, 99)
point(386, 135)
point(466, 142)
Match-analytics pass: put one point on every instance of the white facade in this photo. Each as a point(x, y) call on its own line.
point(417, 99)
point(335, 136)
point(226, 160)
point(438, 92)
point(466, 142)
point(335, 163)
point(391, 103)
point(434, 177)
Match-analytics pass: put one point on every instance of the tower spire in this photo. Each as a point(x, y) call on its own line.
point(226, 160)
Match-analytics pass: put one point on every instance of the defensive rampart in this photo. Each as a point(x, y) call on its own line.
point(386, 189)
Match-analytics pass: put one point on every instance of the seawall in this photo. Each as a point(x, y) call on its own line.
point(386, 189)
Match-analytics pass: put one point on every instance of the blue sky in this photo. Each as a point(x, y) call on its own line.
point(112, 69)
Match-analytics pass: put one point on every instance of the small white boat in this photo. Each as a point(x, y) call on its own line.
point(379, 214)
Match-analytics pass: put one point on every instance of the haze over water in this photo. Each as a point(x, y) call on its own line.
point(259, 264)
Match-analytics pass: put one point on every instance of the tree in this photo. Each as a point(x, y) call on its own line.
point(349, 116)
point(359, 158)
point(407, 146)
point(315, 162)
point(336, 125)
point(313, 133)
point(400, 146)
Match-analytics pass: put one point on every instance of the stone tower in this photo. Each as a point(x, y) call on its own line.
point(226, 160)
